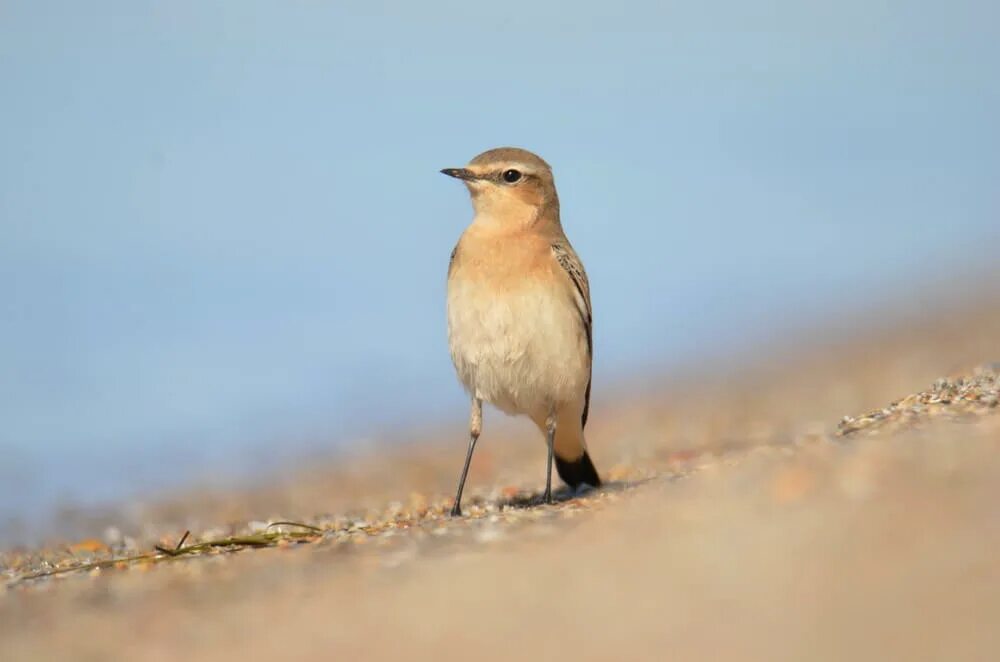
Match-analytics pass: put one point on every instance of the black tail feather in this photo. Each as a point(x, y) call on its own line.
point(576, 472)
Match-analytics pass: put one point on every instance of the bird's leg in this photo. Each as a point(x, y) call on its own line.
point(550, 439)
point(475, 427)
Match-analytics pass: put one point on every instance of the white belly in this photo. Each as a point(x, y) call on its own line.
point(524, 351)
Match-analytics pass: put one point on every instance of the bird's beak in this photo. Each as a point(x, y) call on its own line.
point(460, 173)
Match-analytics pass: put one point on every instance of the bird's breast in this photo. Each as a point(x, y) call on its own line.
point(516, 337)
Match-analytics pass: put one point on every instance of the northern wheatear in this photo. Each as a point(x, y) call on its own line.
point(519, 316)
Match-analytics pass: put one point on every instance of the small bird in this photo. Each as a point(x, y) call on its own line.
point(519, 315)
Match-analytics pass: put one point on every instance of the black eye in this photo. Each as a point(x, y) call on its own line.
point(511, 176)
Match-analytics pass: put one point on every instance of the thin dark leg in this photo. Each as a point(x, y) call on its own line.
point(475, 426)
point(550, 439)
point(456, 510)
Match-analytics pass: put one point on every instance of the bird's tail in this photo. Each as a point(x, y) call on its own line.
point(569, 443)
point(579, 471)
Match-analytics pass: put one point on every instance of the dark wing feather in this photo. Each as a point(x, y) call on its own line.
point(451, 260)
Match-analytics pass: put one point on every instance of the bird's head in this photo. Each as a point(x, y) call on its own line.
point(510, 185)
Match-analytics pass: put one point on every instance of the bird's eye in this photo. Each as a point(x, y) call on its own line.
point(511, 176)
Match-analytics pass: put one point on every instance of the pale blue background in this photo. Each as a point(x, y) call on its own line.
point(223, 236)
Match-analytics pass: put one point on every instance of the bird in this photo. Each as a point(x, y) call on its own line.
point(520, 324)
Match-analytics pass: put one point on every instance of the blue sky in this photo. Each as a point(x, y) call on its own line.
point(223, 232)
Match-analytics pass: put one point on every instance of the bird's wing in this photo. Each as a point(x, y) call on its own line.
point(451, 260)
point(570, 262)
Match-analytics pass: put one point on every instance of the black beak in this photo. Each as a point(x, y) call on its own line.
point(459, 173)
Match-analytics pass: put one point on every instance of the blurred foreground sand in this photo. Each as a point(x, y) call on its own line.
point(738, 525)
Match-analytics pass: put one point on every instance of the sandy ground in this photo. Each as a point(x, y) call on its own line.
point(744, 518)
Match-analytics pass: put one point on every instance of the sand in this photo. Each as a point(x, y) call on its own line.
point(836, 501)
